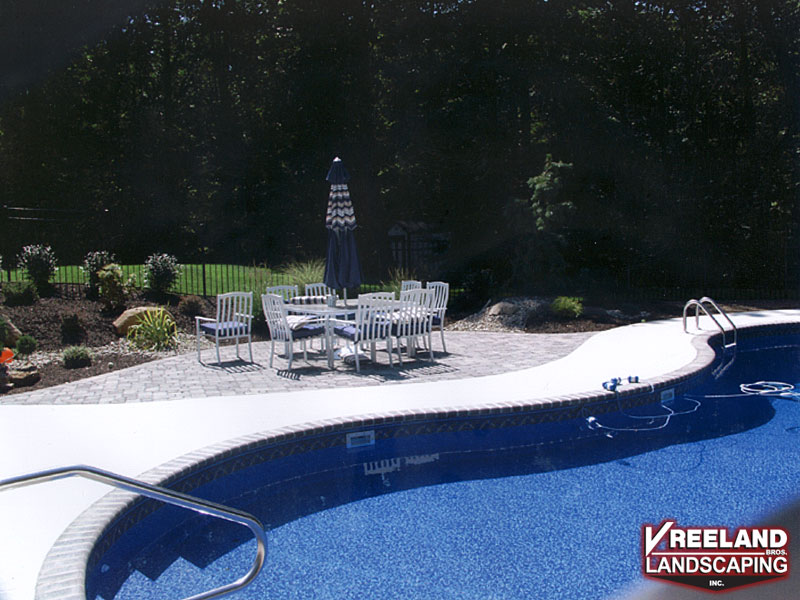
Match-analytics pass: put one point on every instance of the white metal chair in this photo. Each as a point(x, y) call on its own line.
point(288, 329)
point(382, 296)
point(410, 284)
point(413, 319)
point(287, 292)
point(319, 289)
point(441, 293)
point(372, 324)
point(234, 320)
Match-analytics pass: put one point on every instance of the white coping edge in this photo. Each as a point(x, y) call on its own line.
point(134, 439)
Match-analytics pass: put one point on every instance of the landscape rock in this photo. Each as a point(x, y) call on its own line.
point(23, 376)
point(13, 333)
point(503, 308)
point(131, 317)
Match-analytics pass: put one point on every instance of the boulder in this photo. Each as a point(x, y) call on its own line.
point(13, 332)
point(502, 308)
point(23, 376)
point(131, 317)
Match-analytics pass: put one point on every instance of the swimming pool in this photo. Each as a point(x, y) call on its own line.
point(477, 507)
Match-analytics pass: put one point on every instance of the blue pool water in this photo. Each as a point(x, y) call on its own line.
point(514, 514)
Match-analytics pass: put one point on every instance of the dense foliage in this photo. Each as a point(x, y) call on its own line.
point(598, 143)
point(161, 271)
point(39, 264)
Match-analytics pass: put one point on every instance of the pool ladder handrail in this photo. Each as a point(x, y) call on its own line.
point(168, 496)
point(700, 305)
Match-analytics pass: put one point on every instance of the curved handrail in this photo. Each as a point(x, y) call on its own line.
point(700, 305)
point(165, 495)
point(706, 299)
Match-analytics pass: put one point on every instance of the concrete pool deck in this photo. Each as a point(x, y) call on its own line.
point(133, 437)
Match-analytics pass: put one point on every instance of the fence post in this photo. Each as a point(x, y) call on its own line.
point(204, 280)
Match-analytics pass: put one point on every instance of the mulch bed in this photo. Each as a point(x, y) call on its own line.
point(43, 321)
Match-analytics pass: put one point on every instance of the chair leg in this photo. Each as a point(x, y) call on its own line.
point(399, 351)
point(390, 350)
point(441, 331)
point(272, 352)
point(430, 344)
point(216, 341)
point(237, 348)
point(372, 354)
point(250, 347)
point(358, 365)
point(290, 350)
point(198, 348)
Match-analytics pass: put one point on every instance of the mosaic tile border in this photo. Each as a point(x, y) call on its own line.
point(63, 573)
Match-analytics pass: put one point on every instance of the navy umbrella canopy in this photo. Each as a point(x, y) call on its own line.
point(342, 268)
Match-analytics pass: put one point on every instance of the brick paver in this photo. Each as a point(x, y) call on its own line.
point(470, 354)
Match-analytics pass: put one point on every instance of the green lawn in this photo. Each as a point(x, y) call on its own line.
point(208, 280)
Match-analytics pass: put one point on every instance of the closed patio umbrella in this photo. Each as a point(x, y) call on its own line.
point(342, 268)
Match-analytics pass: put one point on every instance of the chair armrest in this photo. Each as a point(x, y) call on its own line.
point(197, 319)
point(335, 321)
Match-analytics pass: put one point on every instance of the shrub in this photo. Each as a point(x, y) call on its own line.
point(155, 331)
point(26, 344)
point(113, 289)
point(75, 357)
point(301, 273)
point(3, 332)
point(72, 330)
point(191, 306)
point(39, 263)
point(92, 264)
point(566, 306)
point(20, 293)
point(479, 286)
point(161, 271)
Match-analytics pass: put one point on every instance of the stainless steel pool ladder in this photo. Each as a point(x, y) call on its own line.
point(170, 497)
point(701, 305)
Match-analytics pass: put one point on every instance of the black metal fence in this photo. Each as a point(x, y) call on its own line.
point(213, 279)
point(195, 279)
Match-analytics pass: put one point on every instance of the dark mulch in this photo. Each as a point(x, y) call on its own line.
point(43, 321)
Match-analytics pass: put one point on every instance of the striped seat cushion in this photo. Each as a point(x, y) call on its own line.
point(308, 300)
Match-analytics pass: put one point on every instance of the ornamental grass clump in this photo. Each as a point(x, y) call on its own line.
point(39, 263)
point(396, 278)
point(156, 330)
point(76, 357)
point(302, 273)
point(161, 272)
